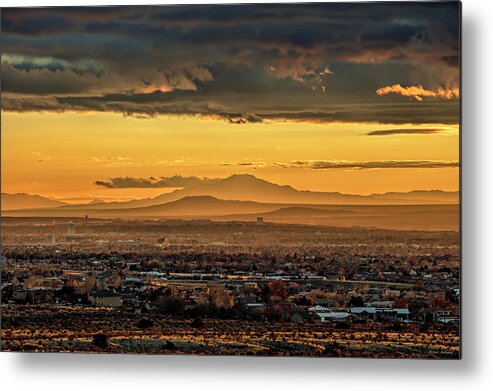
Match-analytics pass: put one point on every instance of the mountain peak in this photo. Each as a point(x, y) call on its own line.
point(97, 201)
point(243, 177)
point(251, 180)
point(197, 198)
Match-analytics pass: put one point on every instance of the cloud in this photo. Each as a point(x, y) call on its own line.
point(36, 23)
point(113, 161)
point(348, 165)
point(227, 106)
point(240, 63)
point(109, 158)
point(418, 92)
point(243, 119)
point(41, 80)
point(391, 132)
point(255, 164)
point(368, 165)
point(452, 60)
point(326, 71)
point(153, 182)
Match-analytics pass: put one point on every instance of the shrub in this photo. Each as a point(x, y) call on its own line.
point(197, 323)
point(394, 327)
point(100, 341)
point(342, 326)
point(145, 324)
point(169, 345)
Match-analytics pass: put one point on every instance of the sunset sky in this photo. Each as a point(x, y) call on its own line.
point(126, 102)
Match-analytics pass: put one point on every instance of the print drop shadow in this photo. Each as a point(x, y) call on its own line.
point(226, 366)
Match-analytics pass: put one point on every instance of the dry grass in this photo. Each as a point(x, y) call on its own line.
point(70, 329)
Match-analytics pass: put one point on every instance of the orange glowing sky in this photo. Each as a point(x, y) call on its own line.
point(62, 155)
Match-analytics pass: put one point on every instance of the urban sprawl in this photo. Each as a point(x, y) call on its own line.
point(252, 288)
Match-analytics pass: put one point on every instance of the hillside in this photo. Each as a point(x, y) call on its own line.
point(194, 206)
point(407, 217)
point(422, 217)
point(26, 201)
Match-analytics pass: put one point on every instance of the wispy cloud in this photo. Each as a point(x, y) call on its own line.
point(256, 163)
point(391, 132)
point(418, 92)
point(153, 182)
point(367, 165)
point(109, 159)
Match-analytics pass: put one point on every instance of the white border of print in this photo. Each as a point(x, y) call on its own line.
point(474, 372)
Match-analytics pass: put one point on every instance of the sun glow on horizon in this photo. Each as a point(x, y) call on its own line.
point(62, 155)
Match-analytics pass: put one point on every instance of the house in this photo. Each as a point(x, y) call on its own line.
point(380, 313)
point(364, 312)
point(402, 313)
point(128, 297)
point(324, 301)
point(105, 298)
point(41, 294)
point(332, 316)
point(433, 314)
point(448, 319)
point(255, 306)
point(318, 308)
point(380, 304)
point(19, 294)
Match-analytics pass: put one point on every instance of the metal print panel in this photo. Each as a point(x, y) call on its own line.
point(258, 179)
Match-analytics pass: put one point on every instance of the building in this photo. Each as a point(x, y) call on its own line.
point(318, 308)
point(364, 312)
point(51, 240)
point(105, 298)
point(71, 228)
point(260, 220)
point(380, 313)
point(332, 316)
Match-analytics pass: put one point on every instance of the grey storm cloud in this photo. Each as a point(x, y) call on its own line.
point(153, 182)
point(391, 132)
point(243, 63)
point(368, 165)
point(228, 107)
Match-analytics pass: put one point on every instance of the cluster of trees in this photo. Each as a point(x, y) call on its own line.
point(214, 301)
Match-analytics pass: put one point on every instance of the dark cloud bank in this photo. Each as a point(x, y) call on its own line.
point(153, 182)
point(392, 132)
point(369, 165)
point(242, 63)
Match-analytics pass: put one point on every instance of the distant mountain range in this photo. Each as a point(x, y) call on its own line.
point(243, 188)
point(250, 188)
point(245, 197)
point(96, 201)
point(426, 217)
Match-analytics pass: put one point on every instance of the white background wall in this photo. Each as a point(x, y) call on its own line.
point(20, 371)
